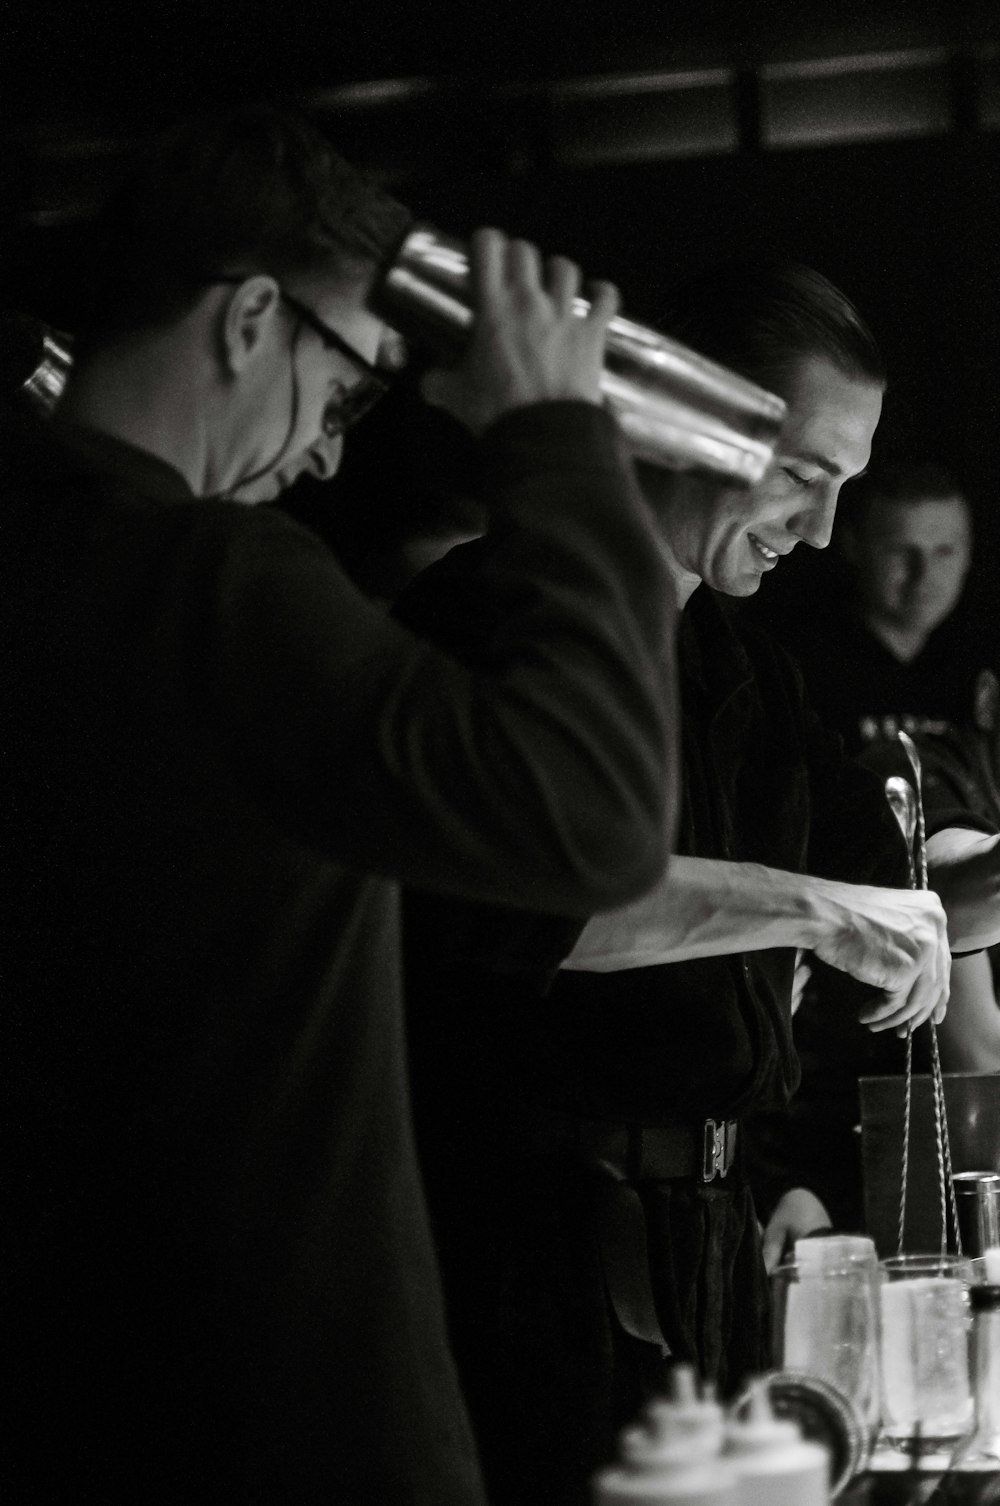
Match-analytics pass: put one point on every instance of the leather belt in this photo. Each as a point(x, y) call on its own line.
point(703, 1151)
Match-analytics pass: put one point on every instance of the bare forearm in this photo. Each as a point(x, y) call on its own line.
point(891, 939)
point(702, 908)
point(706, 907)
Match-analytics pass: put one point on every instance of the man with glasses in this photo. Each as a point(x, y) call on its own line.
point(221, 760)
point(348, 403)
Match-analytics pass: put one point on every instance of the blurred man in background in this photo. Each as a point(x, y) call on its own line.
point(895, 650)
point(891, 655)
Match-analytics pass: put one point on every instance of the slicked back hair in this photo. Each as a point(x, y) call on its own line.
point(762, 317)
point(255, 189)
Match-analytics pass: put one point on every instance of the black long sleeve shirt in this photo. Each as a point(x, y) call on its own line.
point(219, 762)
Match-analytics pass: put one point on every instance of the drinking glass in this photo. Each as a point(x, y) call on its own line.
point(826, 1325)
point(926, 1390)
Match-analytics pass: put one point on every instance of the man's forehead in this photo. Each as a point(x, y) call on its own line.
point(832, 416)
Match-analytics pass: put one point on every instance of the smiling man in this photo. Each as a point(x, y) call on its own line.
point(590, 1141)
point(728, 539)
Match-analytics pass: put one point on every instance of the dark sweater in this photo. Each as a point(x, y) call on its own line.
point(861, 689)
point(218, 760)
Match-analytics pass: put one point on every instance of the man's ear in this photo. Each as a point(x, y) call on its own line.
point(247, 320)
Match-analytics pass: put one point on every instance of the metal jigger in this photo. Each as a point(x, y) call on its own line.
point(977, 1197)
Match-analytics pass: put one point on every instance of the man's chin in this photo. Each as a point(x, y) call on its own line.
point(744, 585)
point(267, 489)
point(914, 621)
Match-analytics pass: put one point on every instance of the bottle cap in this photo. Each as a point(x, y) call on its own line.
point(672, 1470)
point(688, 1411)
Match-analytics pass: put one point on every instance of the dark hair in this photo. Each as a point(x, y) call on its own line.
point(256, 188)
point(760, 317)
point(902, 483)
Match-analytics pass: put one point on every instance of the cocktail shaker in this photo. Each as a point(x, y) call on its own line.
point(676, 408)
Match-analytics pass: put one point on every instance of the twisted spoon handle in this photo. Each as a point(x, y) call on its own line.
point(945, 1184)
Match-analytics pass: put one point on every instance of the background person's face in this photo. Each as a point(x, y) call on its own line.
point(912, 559)
point(729, 537)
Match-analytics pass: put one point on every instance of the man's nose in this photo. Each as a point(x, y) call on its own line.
point(813, 524)
point(324, 457)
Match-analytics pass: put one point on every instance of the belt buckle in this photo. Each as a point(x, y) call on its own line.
point(719, 1148)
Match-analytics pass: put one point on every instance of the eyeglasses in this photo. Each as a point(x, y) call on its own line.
point(353, 402)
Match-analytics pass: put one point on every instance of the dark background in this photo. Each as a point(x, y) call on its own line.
point(643, 139)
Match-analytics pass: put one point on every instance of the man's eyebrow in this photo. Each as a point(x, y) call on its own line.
point(811, 458)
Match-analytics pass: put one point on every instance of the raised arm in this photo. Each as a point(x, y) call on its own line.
point(520, 746)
